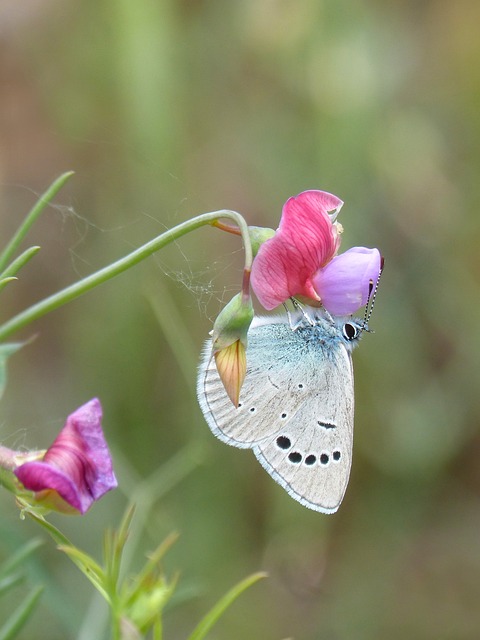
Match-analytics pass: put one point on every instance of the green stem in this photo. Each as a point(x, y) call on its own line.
point(116, 627)
point(22, 231)
point(107, 273)
point(55, 533)
point(8, 480)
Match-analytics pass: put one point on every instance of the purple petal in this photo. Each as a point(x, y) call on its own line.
point(345, 283)
point(78, 465)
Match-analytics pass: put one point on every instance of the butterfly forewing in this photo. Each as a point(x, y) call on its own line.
point(270, 395)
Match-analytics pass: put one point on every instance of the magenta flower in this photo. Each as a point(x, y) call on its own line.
point(77, 469)
point(300, 260)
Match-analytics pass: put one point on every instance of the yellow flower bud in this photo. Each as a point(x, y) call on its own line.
point(231, 366)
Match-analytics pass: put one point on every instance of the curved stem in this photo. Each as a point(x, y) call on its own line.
point(107, 273)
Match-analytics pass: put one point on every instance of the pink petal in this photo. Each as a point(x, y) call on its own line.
point(78, 465)
point(345, 283)
point(306, 240)
point(306, 207)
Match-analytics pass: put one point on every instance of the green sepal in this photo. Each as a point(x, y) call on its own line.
point(232, 323)
point(259, 235)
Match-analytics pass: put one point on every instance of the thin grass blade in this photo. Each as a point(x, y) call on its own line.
point(222, 605)
point(20, 616)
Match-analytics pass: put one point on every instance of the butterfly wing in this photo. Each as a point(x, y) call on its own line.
point(271, 392)
point(295, 412)
point(312, 455)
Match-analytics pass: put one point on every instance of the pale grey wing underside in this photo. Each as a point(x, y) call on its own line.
point(270, 390)
point(309, 460)
point(295, 412)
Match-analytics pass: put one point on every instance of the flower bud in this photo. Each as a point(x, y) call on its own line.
point(76, 470)
point(232, 323)
point(229, 343)
point(232, 366)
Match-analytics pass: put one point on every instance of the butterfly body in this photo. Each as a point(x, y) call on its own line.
point(296, 404)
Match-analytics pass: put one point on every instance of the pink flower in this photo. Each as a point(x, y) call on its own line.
point(77, 469)
point(300, 259)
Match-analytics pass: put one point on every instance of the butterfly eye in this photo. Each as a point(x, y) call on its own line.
point(350, 331)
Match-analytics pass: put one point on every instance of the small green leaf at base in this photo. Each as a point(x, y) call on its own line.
point(222, 605)
point(20, 616)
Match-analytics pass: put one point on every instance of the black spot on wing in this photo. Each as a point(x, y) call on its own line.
point(326, 425)
point(283, 442)
point(295, 457)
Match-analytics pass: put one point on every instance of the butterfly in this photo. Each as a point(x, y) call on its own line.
point(296, 405)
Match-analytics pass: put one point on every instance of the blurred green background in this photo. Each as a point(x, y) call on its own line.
point(168, 109)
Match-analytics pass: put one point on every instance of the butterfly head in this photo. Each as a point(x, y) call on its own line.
point(352, 328)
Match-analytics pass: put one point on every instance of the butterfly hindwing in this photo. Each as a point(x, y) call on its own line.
point(311, 457)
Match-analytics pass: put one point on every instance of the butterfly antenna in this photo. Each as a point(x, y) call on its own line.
point(372, 294)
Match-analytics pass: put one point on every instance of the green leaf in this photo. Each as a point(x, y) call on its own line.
point(207, 622)
point(11, 581)
point(7, 254)
point(19, 557)
point(147, 609)
point(5, 281)
point(146, 575)
point(12, 270)
point(88, 566)
point(113, 548)
point(20, 616)
point(6, 350)
point(85, 563)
